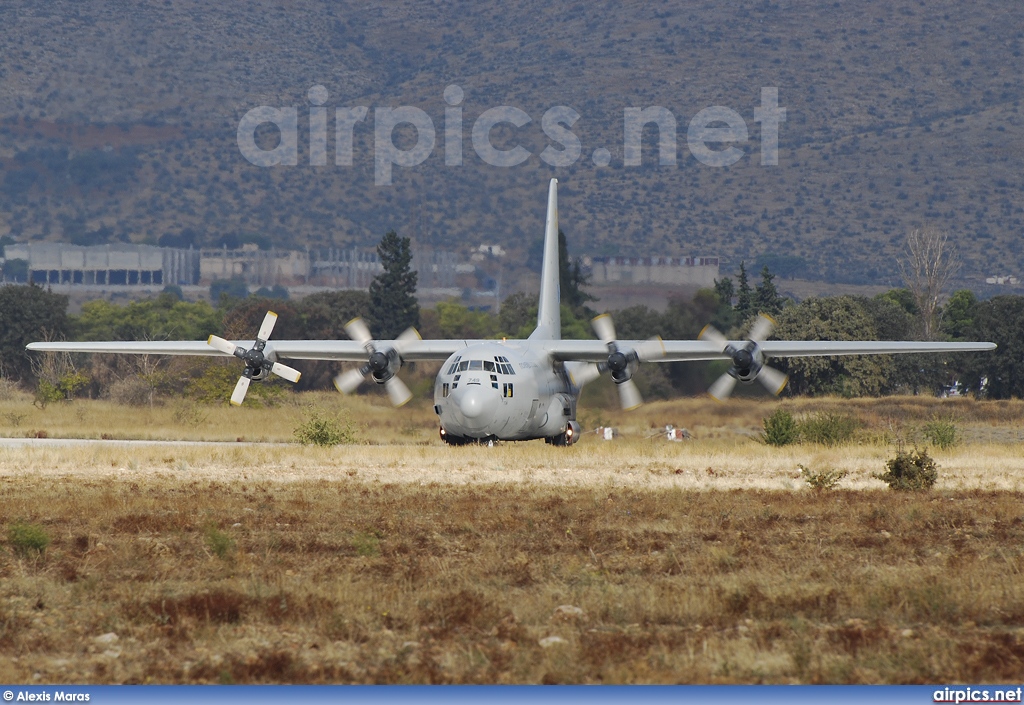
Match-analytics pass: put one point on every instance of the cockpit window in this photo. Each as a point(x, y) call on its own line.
point(476, 364)
point(455, 365)
point(464, 365)
point(488, 366)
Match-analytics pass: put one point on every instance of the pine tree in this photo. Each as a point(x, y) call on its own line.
point(393, 304)
point(744, 295)
point(571, 279)
point(725, 290)
point(767, 299)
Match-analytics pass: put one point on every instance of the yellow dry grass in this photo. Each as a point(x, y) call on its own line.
point(398, 560)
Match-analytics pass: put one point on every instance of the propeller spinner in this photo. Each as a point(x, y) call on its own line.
point(382, 365)
point(747, 361)
point(257, 365)
point(620, 363)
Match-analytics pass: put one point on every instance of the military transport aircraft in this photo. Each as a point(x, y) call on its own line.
point(513, 389)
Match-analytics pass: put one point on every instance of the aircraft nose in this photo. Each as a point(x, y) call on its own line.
point(474, 402)
point(477, 405)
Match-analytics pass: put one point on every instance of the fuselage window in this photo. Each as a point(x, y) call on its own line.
point(476, 364)
point(494, 381)
point(506, 390)
point(444, 389)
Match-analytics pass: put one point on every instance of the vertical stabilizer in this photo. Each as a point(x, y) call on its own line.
point(549, 320)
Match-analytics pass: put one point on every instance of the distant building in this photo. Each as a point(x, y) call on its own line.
point(106, 265)
point(257, 267)
point(665, 271)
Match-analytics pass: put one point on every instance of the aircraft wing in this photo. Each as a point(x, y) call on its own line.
point(581, 350)
point(343, 350)
point(691, 350)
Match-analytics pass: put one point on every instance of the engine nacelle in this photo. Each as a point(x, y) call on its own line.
point(747, 362)
point(384, 364)
point(622, 365)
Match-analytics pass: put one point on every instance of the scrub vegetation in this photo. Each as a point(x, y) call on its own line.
point(398, 560)
point(311, 581)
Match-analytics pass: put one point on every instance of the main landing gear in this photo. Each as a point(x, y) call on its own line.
point(571, 435)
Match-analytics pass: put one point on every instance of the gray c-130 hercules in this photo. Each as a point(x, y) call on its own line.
point(514, 390)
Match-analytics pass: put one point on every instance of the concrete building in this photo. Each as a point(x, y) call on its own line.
point(56, 263)
point(257, 267)
point(663, 271)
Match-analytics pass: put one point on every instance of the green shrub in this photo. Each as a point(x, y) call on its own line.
point(28, 539)
point(366, 544)
point(826, 479)
point(910, 471)
point(780, 429)
point(219, 543)
point(828, 429)
point(323, 430)
point(941, 433)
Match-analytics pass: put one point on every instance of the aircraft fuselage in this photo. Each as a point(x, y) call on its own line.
point(505, 391)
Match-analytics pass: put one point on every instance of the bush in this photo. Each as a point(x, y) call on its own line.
point(941, 433)
point(910, 471)
point(323, 430)
point(131, 391)
point(828, 429)
point(780, 429)
point(27, 539)
point(822, 479)
point(219, 543)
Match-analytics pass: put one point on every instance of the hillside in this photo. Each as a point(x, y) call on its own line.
point(118, 121)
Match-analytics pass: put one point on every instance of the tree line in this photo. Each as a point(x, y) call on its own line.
point(30, 313)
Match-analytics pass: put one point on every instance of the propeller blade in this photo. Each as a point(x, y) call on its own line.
point(713, 335)
point(772, 379)
point(289, 373)
point(604, 328)
point(629, 395)
point(238, 396)
point(763, 327)
point(722, 387)
point(409, 335)
point(585, 375)
point(348, 382)
point(399, 393)
point(651, 349)
point(358, 331)
point(268, 326)
point(218, 343)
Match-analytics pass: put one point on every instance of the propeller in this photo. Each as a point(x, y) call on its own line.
point(621, 363)
point(257, 365)
point(747, 360)
point(382, 365)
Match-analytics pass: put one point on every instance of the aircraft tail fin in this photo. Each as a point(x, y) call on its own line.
point(549, 319)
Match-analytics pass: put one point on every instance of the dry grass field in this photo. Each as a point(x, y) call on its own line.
point(398, 560)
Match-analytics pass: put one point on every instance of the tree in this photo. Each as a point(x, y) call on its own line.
point(725, 290)
point(958, 314)
point(226, 292)
point(518, 315)
point(393, 305)
point(929, 264)
point(833, 318)
point(997, 374)
point(327, 312)
point(571, 279)
point(162, 318)
point(767, 299)
point(28, 313)
point(744, 296)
